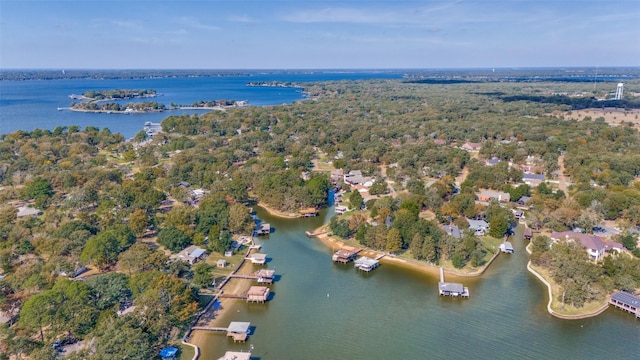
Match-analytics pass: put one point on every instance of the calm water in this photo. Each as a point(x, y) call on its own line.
point(326, 311)
point(27, 105)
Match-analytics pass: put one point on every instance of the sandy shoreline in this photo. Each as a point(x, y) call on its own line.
point(415, 265)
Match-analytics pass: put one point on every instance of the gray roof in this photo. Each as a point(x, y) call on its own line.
point(451, 287)
point(452, 230)
point(507, 245)
point(533, 177)
point(239, 327)
point(366, 261)
point(197, 253)
point(626, 298)
point(478, 224)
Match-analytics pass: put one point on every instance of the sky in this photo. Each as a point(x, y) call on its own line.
point(301, 34)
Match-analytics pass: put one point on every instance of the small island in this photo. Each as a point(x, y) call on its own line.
point(106, 101)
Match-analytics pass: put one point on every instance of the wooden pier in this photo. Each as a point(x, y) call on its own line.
point(451, 289)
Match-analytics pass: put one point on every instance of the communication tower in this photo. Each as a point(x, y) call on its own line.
point(619, 90)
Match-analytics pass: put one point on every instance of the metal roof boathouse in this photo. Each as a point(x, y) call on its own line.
point(366, 264)
point(627, 302)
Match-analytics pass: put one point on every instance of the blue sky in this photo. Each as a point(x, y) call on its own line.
point(140, 34)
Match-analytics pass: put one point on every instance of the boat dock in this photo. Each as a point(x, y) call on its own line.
point(451, 289)
point(344, 256)
point(366, 264)
point(238, 331)
point(627, 302)
point(310, 234)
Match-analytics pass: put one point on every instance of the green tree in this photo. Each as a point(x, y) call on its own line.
point(379, 187)
point(173, 239)
point(239, 218)
point(394, 241)
point(356, 200)
point(37, 312)
point(140, 257)
point(101, 250)
point(139, 222)
point(202, 276)
point(108, 290)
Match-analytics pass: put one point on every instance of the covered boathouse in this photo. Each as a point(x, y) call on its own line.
point(239, 331)
point(344, 256)
point(265, 276)
point(258, 294)
point(627, 302)
point(366, 264)
point(451, 289)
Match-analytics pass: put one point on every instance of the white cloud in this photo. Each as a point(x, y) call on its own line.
point(241, 19)
point(195, 23)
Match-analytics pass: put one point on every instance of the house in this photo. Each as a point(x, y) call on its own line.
point(492, 162)
point(533, 179)
point(478, 226)
point(593, 244)
point(523, 202)
point(228, 253)
point(337, 175)
point(452, 230)
point(469, 146)
point(354, 177)
point(490, 195)
point(440, 142)
point(258, 294)
point(191, 254)
point(610, 246)
point(221, 263)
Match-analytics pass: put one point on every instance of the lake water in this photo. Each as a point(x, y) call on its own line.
point(323, 310)
point(27, 105)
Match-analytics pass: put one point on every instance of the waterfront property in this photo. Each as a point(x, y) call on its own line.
point(236, 355)
point(258, 259)
point(344, 256)
point(265, 276)
point(506, 247)
point(258, 294)
point(451, 289)
point(627, 302)
point(191, 254)
point(238, 331)
point(366, 264)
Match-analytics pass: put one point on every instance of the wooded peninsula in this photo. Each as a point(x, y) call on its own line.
point(433, 171)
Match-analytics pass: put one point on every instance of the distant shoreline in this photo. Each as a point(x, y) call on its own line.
point(125, 112)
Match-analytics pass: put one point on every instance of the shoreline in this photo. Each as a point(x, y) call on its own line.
point(216, 108)
point(277, 213)
point(550, 310)
point(416, 265)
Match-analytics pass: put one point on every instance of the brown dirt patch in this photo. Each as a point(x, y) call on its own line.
point(612, 116)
